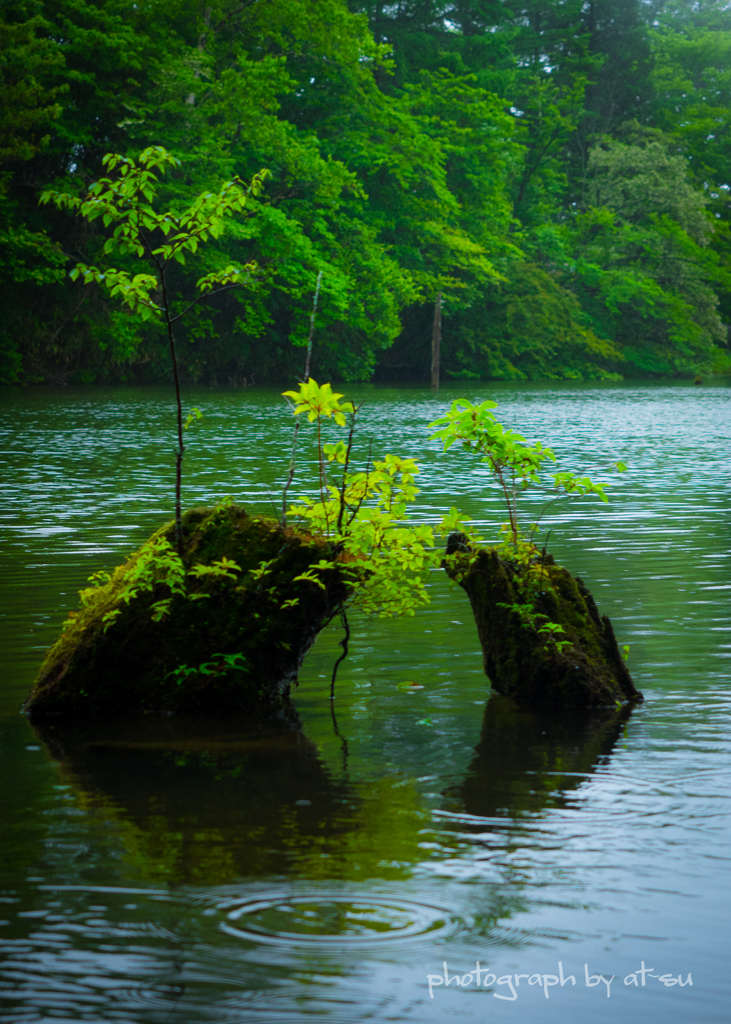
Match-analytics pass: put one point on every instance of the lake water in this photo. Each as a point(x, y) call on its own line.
point(215, 872)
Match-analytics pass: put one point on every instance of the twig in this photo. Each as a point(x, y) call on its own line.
point(206, 295)
point(365, 485)
point(345, 468)
point(292, 461)
point(343, 741)
point(181, 447)
point(344, 645)
point(543, 563)
point(290, 476)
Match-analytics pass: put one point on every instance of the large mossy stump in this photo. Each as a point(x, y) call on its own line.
point(161, 637)
point(580, 666)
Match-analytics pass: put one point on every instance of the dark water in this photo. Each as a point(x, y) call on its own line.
point(214, 872)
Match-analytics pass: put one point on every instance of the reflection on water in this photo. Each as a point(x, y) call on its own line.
point(220, 872)
point(527, 761)
point(205, 802)
point(204, 809)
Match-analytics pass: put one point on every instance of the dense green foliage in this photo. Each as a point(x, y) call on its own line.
point(559, 171)
point(363, 512)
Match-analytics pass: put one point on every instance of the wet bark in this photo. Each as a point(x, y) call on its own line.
point(579, 667)
point(228, 645)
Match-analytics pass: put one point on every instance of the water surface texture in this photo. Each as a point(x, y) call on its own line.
point(438, 857)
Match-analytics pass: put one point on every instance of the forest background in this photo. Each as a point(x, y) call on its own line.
point(559, 170)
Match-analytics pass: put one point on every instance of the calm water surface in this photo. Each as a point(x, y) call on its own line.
point(216, 872)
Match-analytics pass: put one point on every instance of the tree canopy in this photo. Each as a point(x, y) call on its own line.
point(558, 171)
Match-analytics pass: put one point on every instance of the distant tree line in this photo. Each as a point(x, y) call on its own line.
point(559, 170)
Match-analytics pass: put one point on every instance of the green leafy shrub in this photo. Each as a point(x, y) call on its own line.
point(516, 465)
point(364, 513)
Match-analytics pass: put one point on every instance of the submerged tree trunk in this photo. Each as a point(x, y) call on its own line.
point(222, 632)
point(579, 665)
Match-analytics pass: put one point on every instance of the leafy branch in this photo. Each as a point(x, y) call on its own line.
point(126, 203)
point(364, 513)
point(516, 464)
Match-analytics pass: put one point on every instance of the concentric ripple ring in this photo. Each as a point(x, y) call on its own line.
point(334, 919)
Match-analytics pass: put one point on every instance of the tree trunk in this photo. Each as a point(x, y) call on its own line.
point(579, 666)
point(226, 644)
point(436, 339)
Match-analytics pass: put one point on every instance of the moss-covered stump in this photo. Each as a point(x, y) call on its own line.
point(201, 636)
point(516, 607)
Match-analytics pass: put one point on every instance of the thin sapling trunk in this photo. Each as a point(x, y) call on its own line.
point(127, 200)
point(293, 459)
point(181, 447)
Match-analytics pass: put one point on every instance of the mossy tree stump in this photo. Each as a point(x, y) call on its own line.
point(580, 666)
point(216, 643)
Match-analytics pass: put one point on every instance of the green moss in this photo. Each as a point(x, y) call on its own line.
point(113, 656)
point(582, 666)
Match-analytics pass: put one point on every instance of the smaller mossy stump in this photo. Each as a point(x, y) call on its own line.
point(197, 636)
point(514, 605)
